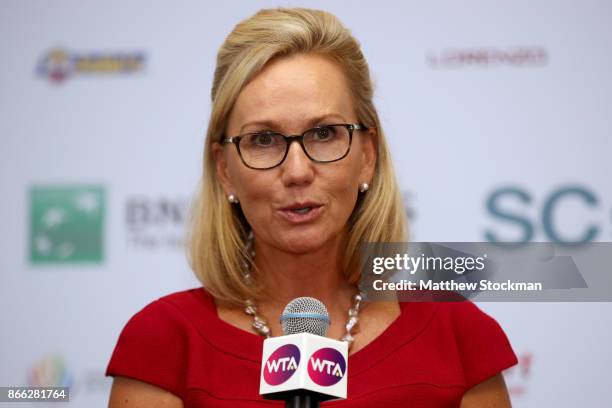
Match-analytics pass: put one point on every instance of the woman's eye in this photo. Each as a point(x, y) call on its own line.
point(324, 133)
point(263, 139)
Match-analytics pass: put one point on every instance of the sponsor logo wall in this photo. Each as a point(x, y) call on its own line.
point(499, 133)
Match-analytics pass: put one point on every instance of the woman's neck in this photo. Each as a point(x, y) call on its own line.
point(317, 274)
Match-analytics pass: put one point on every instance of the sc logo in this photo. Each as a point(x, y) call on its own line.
point(588, 233)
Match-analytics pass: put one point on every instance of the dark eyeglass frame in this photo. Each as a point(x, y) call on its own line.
point(351, 127)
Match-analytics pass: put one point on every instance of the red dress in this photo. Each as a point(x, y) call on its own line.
point(428, 357)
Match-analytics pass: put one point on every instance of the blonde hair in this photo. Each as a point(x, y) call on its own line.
point(218, 231)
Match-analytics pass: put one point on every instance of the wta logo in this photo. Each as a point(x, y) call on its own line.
point(326, 366)
point(281, 364)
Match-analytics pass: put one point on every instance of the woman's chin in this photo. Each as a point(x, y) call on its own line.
point(300, 244)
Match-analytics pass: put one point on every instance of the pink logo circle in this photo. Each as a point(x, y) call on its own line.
point(281, 364)
point(326, 366)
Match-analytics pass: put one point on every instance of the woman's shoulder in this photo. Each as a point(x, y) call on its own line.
point(453, 318)
point(182, 302)
point(171, 315)
point(154, 345)
point(188, 300)
point(482, 345)
point(464, 315)
point(446, 306)
point(453, 312)
point(455, 334)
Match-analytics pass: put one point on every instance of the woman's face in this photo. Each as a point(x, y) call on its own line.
point(290, 95)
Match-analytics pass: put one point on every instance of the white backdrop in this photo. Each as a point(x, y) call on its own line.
point(476, 98)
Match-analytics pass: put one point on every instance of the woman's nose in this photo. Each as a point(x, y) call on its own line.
point(297, 169)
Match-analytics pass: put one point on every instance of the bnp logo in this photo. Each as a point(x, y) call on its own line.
point(66, 224)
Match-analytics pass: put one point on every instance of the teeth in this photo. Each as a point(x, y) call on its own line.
point(301, 210)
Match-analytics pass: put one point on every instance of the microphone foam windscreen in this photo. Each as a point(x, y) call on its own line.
point(305, 315)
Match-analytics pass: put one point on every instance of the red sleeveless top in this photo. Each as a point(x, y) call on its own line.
point(428, 357)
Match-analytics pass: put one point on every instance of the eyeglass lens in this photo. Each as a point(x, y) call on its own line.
point(267, 149)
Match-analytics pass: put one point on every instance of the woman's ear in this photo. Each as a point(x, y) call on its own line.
point(369, 149)
point(221, 168)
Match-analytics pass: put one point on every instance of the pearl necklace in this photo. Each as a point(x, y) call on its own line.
point(261, 325)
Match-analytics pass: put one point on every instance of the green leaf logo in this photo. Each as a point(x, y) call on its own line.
point(66, 224)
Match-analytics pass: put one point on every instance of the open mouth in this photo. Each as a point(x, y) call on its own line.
point(304, 210)
point(302, 213)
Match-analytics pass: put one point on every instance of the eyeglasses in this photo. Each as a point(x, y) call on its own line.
point(322, 144)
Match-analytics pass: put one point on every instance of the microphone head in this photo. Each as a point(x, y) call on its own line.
point(305, 315)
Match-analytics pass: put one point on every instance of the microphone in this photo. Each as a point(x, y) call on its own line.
point(303, 367)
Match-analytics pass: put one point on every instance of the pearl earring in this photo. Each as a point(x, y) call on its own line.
point(233, 199)
point(363, 187)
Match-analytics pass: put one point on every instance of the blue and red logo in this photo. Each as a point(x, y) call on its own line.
point(59, 64)
point(281, 364)
point(326, 366)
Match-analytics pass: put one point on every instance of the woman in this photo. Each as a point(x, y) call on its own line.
point(276, 220)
